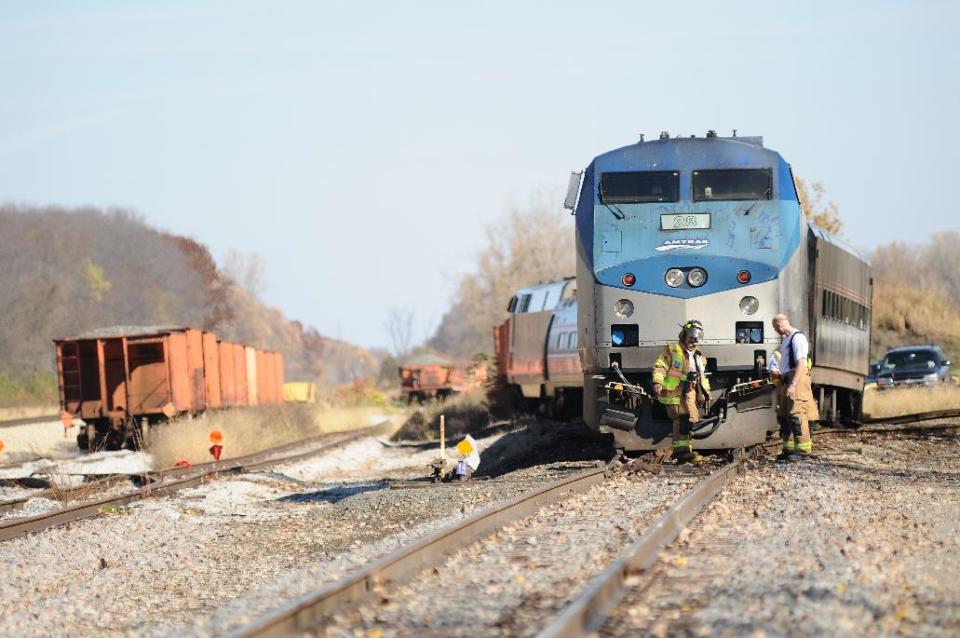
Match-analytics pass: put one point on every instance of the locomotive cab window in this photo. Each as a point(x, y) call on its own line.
point(733, 184)
point(640, 187)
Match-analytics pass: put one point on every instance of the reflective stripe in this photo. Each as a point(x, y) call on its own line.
point(805, 446)
point(669, 400)
point(675, 373)
point(788, 445)
point(682, 444)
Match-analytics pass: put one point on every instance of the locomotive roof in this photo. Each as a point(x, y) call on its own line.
point(690, 153)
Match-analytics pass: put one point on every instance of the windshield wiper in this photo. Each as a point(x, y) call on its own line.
point(616, 212)
point(757, 200)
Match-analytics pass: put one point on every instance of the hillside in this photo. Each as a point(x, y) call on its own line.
point(916, 295)
point(66, 271)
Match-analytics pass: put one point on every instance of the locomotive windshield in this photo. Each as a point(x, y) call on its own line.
point(732, 184)
point(639, 187)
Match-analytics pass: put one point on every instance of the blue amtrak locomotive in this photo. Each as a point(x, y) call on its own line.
point(708, 228)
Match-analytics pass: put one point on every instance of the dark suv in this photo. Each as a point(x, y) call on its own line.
point(914, 365)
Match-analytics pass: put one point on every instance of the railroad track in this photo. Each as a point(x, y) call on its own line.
point(168, 482)
point(315, 608)
point(9, 423)
point(587, 611)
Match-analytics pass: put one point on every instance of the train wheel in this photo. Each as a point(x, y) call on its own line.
point(83, 441)
point(113, 440)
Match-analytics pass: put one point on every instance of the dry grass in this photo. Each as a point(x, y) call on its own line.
point(464, 414)
point(249, 430)
point(899, 401)
point(905, 314)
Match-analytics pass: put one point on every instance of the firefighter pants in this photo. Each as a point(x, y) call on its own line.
point(682, 415)
point(793, 415)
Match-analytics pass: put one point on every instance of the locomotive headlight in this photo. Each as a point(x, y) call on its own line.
point(674, 277)
point(743, 335)
point(623, 308)
point(697, 277)
point(749, 305)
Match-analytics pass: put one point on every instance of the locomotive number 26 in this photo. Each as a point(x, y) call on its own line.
point(684, 222)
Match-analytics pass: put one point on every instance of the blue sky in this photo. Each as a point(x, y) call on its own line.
point(337, 139)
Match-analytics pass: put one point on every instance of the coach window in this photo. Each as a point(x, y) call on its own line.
point(733, 184)
point(524, 303)
point(639, 187)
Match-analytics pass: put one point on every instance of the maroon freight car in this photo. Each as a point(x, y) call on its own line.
point(115, 377)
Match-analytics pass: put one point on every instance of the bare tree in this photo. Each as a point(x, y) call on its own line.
point(399, 325)
point(246, 271)
point(528, 245)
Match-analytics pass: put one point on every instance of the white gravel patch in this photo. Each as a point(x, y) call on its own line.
point(37, 440)
point(369, 458)
point(98, 463)
point(33, 507)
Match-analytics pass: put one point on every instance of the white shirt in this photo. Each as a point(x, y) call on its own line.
point(801, 348)
point(773, 365)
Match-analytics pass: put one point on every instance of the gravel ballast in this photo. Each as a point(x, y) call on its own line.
point(865, 540)
point(215, 556)
point(510, 582)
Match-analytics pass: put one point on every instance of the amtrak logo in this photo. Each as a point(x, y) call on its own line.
point(677, 244)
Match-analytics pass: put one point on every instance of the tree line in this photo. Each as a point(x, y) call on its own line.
point(69, 270)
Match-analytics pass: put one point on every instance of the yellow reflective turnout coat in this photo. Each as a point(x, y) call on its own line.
point(670, 369)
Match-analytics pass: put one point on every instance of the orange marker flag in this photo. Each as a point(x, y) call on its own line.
point(216, 437)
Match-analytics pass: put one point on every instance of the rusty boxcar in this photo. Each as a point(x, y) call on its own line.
point(114, 378)
point(433, 377)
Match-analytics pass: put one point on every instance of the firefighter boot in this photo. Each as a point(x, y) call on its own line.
point(786, 435)
point(682, 448)
point(801, 447)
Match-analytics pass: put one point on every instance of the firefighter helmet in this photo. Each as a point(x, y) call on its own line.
point(691, 327)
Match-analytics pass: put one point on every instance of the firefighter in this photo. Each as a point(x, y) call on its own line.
point(795, 404)
point(680, 384)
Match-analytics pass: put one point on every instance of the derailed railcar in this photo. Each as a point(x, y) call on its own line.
point(429, 376)
point(536, 347)
point(710, 229)
point(114, 378)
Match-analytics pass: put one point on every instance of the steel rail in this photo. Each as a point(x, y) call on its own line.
point(920, 416)
point(64, 493)
point(308, 610)
point(9, 423)
point(21, 526)
point(586, 612)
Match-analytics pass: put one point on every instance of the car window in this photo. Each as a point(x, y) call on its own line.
point(910, 360)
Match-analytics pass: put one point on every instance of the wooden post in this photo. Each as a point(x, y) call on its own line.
point(443, 442)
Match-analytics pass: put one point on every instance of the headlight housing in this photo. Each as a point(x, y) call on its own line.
point(697, 277)
point(931, 378)
point(623, 309)
point(674, 277)
point(749, 305)
point(885, 381)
